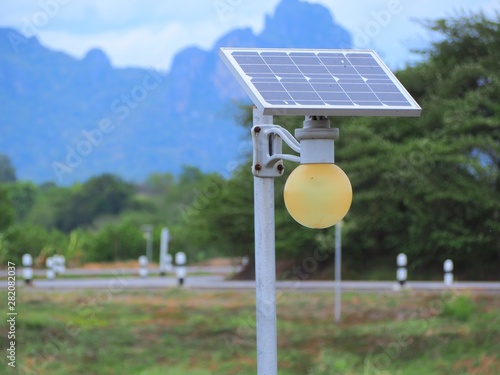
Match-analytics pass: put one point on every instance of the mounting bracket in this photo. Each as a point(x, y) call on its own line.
point(267, 150)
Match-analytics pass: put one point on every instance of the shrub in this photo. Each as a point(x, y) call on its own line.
point(460, 308)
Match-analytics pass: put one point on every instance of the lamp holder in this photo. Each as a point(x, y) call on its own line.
point(316, 145)
point(317, 141)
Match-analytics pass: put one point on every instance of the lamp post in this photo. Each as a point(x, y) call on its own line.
point(265, 263)
point(318, 194)
point(148, 230)
point(338, 258)
point(165, 265)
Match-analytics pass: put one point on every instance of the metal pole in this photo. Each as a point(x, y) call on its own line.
point(149, 248)
point(338, 257)
point(265, 277)
point(265, 270)
point(163, 250)
point(148, 235)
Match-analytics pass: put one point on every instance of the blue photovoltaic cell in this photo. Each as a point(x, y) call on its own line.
point(321, 78)
point(303, 78)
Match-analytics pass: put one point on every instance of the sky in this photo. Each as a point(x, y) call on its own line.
point(148, 33)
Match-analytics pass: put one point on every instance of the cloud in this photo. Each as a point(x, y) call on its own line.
point(135, 47)
point(136, 35)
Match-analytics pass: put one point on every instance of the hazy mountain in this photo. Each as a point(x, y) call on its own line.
point(65, 119)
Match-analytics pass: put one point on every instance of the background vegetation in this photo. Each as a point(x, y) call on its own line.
point(429, 187)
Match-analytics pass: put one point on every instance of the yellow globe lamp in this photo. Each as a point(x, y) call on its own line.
point(318, 195)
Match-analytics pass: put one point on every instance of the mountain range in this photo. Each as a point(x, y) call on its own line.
point(64, 119)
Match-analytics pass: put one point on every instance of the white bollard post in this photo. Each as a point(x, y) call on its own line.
point(27, 270)
point(448, 272)
point(49, 263)
point(143, 266)
point(402, 273)
point(168, 263)
point(180, 269)
point(58, 264)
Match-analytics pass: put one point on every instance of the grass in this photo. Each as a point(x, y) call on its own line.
point(182, 331)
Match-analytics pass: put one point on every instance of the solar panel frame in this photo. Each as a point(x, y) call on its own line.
point(322, 82)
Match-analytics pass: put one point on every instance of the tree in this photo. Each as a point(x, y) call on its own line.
point(430, 186)
point(23, 197)
point(7, 170)
point(99, 196)
point(35, 240)
point(6, 209)
point(115, 240)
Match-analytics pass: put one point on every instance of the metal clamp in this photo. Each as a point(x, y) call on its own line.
point(267, 150)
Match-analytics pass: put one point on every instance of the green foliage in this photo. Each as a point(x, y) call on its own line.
point(23, 197)
point(221, 214)
point(6, 209)
point(99, 196)
point(7, 170)
point(431, 186)
point(460, 308)
point(38, 241)
point(334, 363)
point(116, 240)
point(49, 202)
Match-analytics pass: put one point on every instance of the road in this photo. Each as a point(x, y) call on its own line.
point(130, 271)
point(124, 281)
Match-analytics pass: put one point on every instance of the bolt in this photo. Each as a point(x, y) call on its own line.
point(280, 168)
point(258, 167)
point(257, 129)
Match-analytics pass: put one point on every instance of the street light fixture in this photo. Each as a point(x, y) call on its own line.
point(318, 194)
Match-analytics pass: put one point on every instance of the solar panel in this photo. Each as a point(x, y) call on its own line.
point(319, 82)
